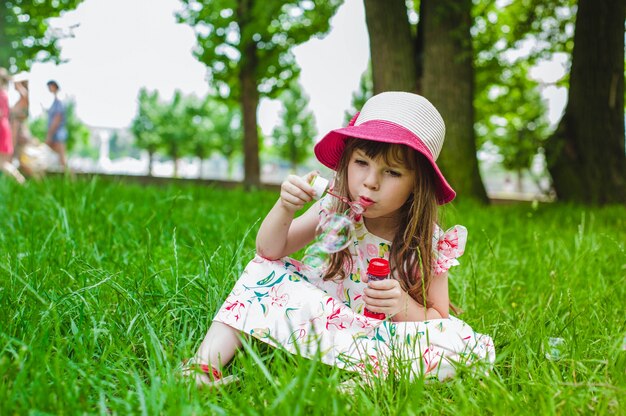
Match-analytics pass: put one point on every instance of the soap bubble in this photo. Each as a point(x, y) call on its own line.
point(555, 349)
point(336, 233)
point(315, 257)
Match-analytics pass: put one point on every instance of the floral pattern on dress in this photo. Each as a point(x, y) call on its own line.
point(286, 304)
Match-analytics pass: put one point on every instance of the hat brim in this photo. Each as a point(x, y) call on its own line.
point(329, 150)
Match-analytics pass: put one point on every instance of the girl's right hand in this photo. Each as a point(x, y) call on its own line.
point(295, 191)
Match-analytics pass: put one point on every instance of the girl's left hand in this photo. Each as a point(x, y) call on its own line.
point(384, 296)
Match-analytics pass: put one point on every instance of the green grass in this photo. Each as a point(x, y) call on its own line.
point(105, 287)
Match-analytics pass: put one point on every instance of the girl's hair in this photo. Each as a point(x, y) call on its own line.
point(411, 257)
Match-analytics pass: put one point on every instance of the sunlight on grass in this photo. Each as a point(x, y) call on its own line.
point(106, 287)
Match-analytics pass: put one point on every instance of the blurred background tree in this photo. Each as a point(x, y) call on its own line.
point(144, 125)
point(293, 136)
point(186, 126)
point(246, 46)
point(227, 130)
point(361, 95)
point(586, 154)
point(175, 128)
point(201, 143)
point(393, 49)
point(512, 117)
point(437, 52)
point(510, 112)
point(121, 145)
point(448, 80)
point(25, 36)
point(486, 84)
point(218, 131)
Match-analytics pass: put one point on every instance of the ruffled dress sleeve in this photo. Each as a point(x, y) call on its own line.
point(447, 247)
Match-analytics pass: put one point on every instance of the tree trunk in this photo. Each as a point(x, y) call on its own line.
point(586, 153)
point(150, 156)
point(418, 49)
point(249, 101)
point(229, 165)
point(202, 166)
point(391, 46)
point(249, 104)
point(4, 51)
point(293, 156)
point(520, 181)
point(448, 82)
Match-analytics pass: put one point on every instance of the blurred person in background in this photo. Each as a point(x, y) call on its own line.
point(34, 157)
point(6, 138)
point(19, 115)
point(57, 132)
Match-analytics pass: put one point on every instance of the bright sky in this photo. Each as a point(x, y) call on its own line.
point(112, 55)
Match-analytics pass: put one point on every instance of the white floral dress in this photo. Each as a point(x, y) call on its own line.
point(284, 304)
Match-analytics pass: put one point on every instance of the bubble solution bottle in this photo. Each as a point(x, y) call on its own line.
point(378, 269)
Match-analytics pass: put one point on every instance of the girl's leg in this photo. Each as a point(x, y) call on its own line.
point(7, 167)
point(217, 349)
point(59, 148)
point(219, 345)
point(62, 158)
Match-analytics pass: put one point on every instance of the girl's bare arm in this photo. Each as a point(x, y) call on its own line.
point(280, 234)
point(388, 297)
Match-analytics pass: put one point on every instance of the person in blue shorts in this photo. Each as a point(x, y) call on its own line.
point(57, 132)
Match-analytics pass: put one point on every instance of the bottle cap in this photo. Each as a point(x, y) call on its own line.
point(378, 267)
point(319, 184)
point(374, 315)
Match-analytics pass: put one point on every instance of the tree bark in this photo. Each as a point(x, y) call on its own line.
point(4, 58)
point(150, 160)
point(202, 167)
point(249, 104)
point(418, 49)
point(249, 101)
point(448, 82)
point(391, 46)
point(586, 153)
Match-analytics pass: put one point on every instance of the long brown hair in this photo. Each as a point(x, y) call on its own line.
point(411, 258)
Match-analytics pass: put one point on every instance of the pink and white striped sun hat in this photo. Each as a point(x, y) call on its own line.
point(393, 117)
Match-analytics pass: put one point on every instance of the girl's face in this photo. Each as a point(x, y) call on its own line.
point(384, 185)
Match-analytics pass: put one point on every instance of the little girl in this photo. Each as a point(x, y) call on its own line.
point(385, 161)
